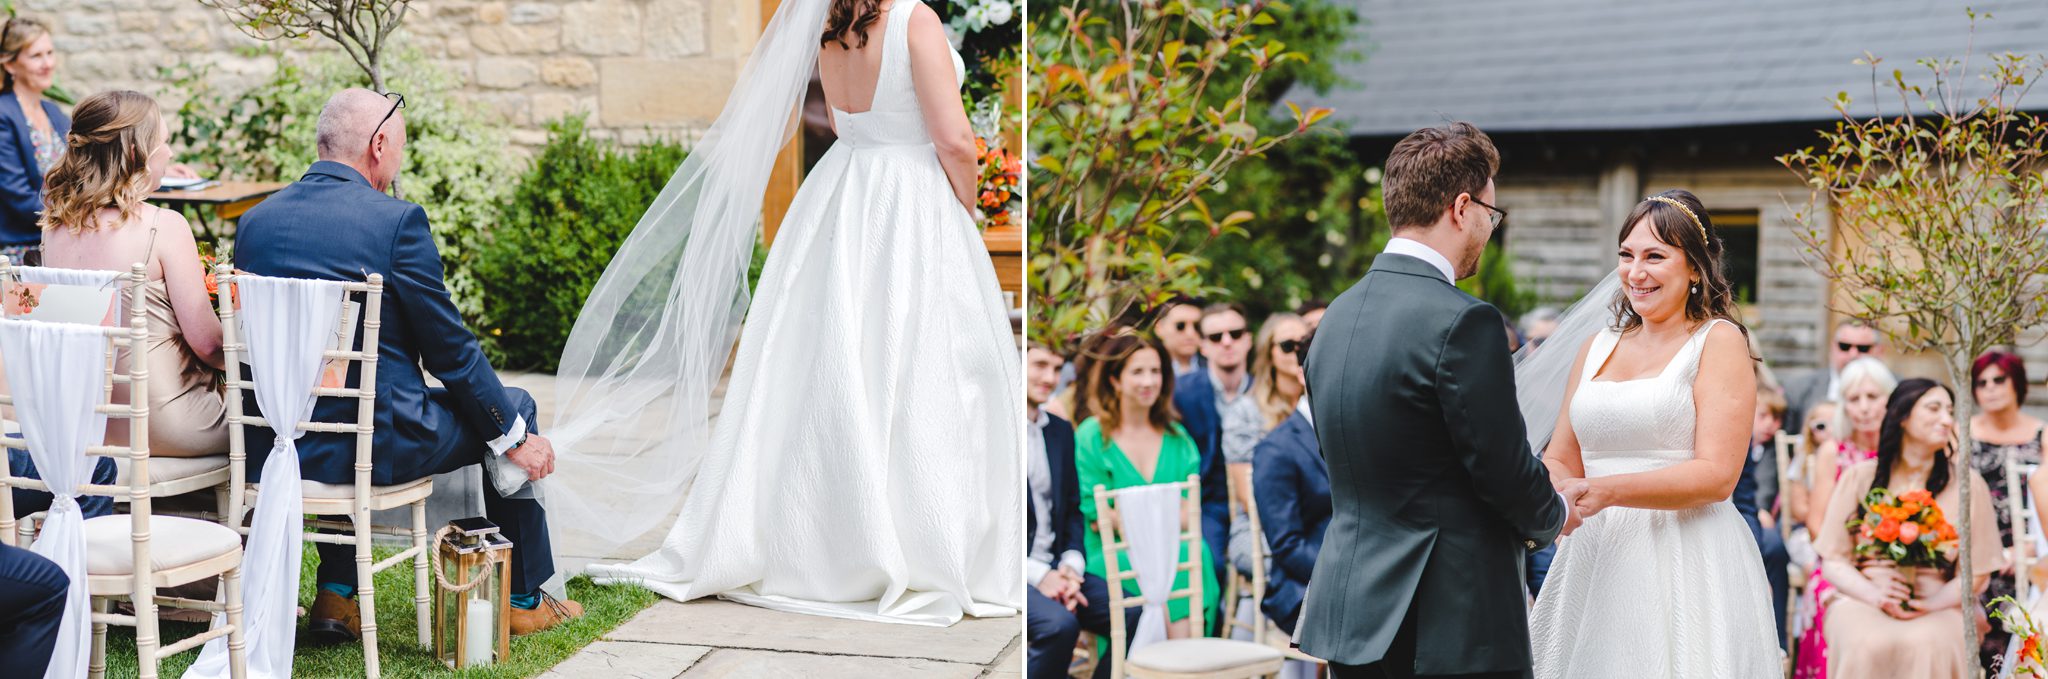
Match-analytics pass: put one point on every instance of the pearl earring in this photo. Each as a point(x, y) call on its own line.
point(1695, 289)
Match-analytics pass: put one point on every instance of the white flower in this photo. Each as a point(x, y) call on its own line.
point(999, 12)
point(977, 17)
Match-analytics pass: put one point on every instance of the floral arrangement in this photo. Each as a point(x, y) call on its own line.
point(23, 298)
point(2028, 659)
point(1000, 201)
point(1907, 529)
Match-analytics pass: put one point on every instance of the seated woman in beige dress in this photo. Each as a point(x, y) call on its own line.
point(1884, 622)
point(95, 218)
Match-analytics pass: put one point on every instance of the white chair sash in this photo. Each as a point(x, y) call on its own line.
point(289, 322)
point(56, 372)
point(1151, 516)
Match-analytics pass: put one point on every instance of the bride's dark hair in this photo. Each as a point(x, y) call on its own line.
point(1891, 436)
point(851, 19)
point(1703, 250)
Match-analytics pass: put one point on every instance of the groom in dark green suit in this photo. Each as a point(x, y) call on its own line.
point(1436, 497)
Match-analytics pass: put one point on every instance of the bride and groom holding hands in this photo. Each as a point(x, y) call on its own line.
point(1432, 432)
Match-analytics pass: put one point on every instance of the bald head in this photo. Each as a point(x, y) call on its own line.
point(348, 130)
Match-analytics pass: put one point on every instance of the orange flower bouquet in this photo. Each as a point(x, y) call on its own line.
point(1000, 173)
point(1907, 529)
point(2028, 659)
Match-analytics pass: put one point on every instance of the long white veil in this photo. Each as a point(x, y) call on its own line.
point(1542, 372)
point(633, 394)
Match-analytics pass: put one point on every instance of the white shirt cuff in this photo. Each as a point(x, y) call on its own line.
point(1034, 572)
point(1075, 560)
point(504, 443)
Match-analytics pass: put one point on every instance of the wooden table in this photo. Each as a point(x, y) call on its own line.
point(1006, 251)
point(228, 200)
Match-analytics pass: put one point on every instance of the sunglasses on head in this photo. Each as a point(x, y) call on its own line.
point(1234, 334)
point(1859, 348)
point(1983, 382)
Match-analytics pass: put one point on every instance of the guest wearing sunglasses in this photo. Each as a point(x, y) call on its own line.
point(1218, 414)
point(1853, 340)
point(1276, 388)
point(2001, 435)
point(1177, 331)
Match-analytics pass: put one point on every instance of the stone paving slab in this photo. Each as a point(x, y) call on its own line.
point(723, 624)
point(748, 664)
point(628, 660)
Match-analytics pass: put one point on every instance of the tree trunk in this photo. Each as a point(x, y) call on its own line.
point(1966, 406)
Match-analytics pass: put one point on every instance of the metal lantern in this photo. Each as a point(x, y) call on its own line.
point(472, 605)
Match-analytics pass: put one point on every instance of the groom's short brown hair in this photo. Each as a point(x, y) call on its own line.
point(1431, 166)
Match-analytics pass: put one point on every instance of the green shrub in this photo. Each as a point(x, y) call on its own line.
point(577, 202)
point(457, 163)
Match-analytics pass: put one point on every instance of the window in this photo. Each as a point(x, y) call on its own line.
point(1738, 229)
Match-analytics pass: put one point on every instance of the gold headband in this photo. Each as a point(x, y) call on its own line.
point(1682, 208)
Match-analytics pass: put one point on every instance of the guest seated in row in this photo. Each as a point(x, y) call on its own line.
point(1133, 439)
point(97, 220)
point(2002, 435)
point(1292, 485)
point(1214, 408)
point(1276, 385)
point(336, 223)
point(1889, 621)
point(1062, 597)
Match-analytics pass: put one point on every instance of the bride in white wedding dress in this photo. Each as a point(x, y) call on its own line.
point(1664, 578)
point(865, 461)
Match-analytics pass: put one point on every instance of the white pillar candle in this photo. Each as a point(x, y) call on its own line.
point(480, 638)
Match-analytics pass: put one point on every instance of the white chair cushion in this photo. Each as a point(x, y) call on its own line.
point(163, 469)
point(314, 490)
point(173, 541)
point(1195, 656)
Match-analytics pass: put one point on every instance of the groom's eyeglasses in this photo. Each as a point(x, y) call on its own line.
point(1496, 214)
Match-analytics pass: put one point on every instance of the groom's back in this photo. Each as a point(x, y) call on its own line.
point(1390, 373)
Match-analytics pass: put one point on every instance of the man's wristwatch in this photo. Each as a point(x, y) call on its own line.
point(518, 443)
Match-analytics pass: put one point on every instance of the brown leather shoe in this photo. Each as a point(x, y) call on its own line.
point(334, 620)
point(550, 612)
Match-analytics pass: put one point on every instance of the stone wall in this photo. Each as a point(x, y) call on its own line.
point(637, 67)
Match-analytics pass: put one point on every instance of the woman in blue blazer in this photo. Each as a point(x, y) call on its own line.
point(32, 131)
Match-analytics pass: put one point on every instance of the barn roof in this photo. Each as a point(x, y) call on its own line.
point(1586, 65)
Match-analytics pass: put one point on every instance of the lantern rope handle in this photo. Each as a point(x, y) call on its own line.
point(440, 573)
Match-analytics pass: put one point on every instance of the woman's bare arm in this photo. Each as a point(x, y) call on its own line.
point(938, 97)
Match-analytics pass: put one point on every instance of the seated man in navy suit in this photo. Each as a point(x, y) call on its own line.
point(336, 223)
point(1061, 597)
point(1291, 483)
point(31, 607)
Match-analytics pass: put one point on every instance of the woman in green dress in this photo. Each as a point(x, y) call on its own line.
point(1133, 439)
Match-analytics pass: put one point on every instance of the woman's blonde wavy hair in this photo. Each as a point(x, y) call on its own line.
point(106, 162)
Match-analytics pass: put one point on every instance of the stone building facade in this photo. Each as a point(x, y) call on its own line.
point(635, 67)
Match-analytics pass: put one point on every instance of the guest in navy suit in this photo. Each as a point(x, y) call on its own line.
point(1291, 483)
point(336, 223)
point(1293, 489)
point(1061, 597)
point(31, 606)
point(32, 133)
point(1200, 397)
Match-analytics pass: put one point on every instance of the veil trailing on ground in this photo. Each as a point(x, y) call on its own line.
point(1543, 372)
point(634, 391)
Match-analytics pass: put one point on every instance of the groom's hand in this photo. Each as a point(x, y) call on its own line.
point(536, 456)
point(1572, 489)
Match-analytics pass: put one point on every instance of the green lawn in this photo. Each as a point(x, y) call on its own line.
point(605, 607)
